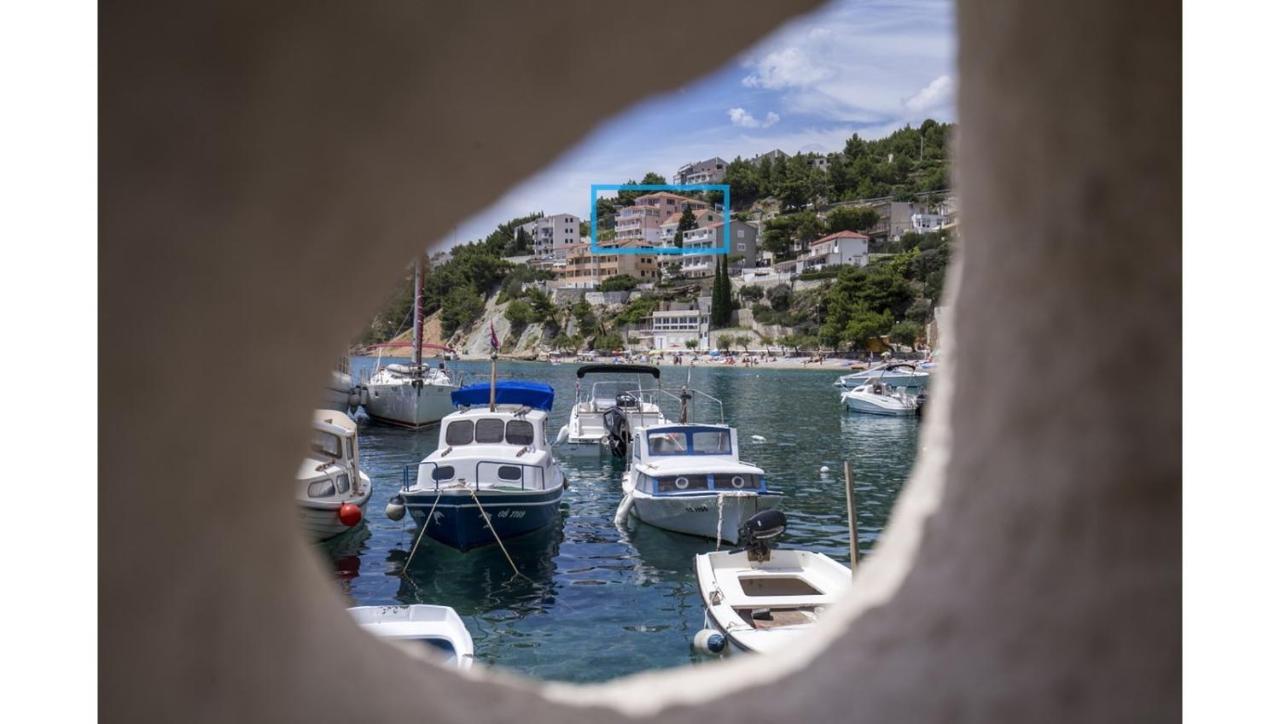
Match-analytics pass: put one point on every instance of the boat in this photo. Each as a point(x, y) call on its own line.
point(601, 420)
point(438, 629)
point(876, 397)
point(332, 490)
point(687, 478)
point(341, 393)
point(492, 477)
point(899, 374)
point(412, 395)
point(760, 600)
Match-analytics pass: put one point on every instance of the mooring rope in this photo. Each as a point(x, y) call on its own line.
point(496, 537)
point(405, 570)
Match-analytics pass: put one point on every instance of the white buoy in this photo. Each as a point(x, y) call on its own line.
point(757, 438)
point(709, 642)
point(564, 435)
point(824, 469)
point(395, 507)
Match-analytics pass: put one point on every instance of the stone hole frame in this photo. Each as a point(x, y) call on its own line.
point(266, 167)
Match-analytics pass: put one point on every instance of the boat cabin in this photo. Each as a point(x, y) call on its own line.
point(330, 469)
point(685, 459)
point(506, 447)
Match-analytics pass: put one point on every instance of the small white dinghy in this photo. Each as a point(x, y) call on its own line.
point(437, 628)
point(759, 599)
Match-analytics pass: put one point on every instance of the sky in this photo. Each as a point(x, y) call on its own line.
point(853, 66)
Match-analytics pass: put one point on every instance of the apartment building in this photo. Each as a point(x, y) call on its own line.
point(667, 231)
point(553, 235)
point(642, 222)
point(842, 248)
point(710, 171)
point(742, 248)
point(583, 269)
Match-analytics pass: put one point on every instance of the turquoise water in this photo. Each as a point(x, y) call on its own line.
point(598, 602)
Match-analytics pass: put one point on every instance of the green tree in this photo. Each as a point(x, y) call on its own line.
point(766, 341)
point(461, 307)
point(691, 344)
point(858, 218)
point(780, 296)
point(688, 222)
point(607, 342)
point(519, 314)
point(906, 332)
point(619, 283)
point(724, 342)
point(743, 179)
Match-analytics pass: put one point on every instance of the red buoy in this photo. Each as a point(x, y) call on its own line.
point(349, 514)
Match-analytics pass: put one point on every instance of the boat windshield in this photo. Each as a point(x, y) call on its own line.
point(690, 441)
point(326, 443)
point(489, 430)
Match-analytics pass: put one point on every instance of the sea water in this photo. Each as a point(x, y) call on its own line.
point(596, 602)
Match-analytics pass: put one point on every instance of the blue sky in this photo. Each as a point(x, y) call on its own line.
point(853, 66)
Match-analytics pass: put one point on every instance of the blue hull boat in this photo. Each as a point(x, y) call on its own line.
point(457, 522)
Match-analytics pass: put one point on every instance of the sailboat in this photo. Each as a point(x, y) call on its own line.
point(411, 395)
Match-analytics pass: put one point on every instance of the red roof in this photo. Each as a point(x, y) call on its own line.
point(839, 235)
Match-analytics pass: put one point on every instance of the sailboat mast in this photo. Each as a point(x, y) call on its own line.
point(417, 312)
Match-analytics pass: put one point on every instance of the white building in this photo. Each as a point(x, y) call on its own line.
point(553, 235)
point(925, 223)
point(843, 248)
point(673, 328)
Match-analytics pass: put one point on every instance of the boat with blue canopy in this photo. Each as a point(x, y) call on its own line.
point(492, 477)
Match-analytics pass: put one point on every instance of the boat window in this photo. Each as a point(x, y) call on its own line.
point(520, 432)
point(444, 472)
point(666, 443)
point(461, 432)
point(346, 446)
point(510, 472)
point(344, 483)
point(681, 483)
point(320, 489)
point(736, 481)
point(489, 430)
point(712, 442)
point(326, 443)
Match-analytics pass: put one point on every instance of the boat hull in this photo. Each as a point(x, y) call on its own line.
point(457, 522)
point(408, 405)
point(583, 448)
point(320, 520)
point(917, 381)
point(700, 515)
point(869, 407)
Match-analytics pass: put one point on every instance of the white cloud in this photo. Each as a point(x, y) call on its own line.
point(786, 68)
point(935, 95)
point(741, 117)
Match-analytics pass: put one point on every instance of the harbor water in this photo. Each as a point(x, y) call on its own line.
point(595, 602)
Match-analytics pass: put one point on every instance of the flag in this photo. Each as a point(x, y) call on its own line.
point(493, 337)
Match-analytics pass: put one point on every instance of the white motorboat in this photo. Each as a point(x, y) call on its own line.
point(341, 393)
point(601, 421)
point(687, 478)
point(493, 476)
point(899, 374)
point(410, 395)
point(875, 397)
point(332, 490)
point(759, 599)
point(438, 629)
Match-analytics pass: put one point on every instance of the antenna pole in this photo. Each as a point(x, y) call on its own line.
point(852, 508)
point(417, 313)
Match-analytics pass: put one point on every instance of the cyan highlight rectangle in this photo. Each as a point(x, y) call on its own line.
point(675, 188)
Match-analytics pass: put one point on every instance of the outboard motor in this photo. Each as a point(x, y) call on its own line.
point(759, 532)
point(615, 423)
